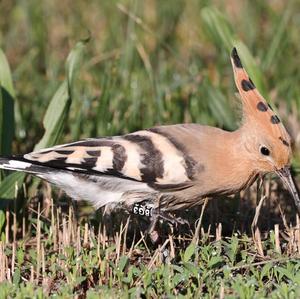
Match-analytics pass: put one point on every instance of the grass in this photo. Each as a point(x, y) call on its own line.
point(69, 70)
point(58, 255)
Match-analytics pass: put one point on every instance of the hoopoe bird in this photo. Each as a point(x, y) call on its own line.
point(166, 168)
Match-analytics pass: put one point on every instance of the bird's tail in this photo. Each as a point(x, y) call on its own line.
point(20, 164)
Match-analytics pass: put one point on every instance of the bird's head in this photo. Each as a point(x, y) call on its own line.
point(265, 138)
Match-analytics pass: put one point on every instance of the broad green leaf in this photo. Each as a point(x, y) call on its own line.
point(5, 75)
point(74, 62)
point(214, 262)
point(190, 250)
point(122, 263)
point(9, 184)
point(57, 111)
point(54, 120)
point(7, 95)
point(55, 117)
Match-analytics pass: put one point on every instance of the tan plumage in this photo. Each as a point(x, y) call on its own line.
point(172, 167)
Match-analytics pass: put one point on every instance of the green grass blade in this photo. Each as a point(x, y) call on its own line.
point(7, 95)
point(57, 111)
point(275, 49)
point(217, 27)
point(220, 108)
point(219, 31)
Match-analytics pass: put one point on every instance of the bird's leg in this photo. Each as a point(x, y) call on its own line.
point(145, 208)
point(157, 214)
point(151, 231)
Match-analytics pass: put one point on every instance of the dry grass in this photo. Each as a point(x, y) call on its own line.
point(51, 246)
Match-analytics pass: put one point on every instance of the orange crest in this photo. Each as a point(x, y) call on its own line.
point(258, 116)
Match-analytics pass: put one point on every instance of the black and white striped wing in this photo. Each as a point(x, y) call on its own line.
point(145, 156)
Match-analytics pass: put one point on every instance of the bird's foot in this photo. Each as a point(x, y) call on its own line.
point(173, 220)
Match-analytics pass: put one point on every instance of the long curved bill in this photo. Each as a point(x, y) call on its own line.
point(286, 177)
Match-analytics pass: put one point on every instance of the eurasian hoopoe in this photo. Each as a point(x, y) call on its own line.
point(166, 168)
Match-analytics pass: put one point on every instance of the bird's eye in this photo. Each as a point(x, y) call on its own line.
point(264, 151)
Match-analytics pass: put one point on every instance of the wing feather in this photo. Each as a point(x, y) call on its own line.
point(145, 156)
